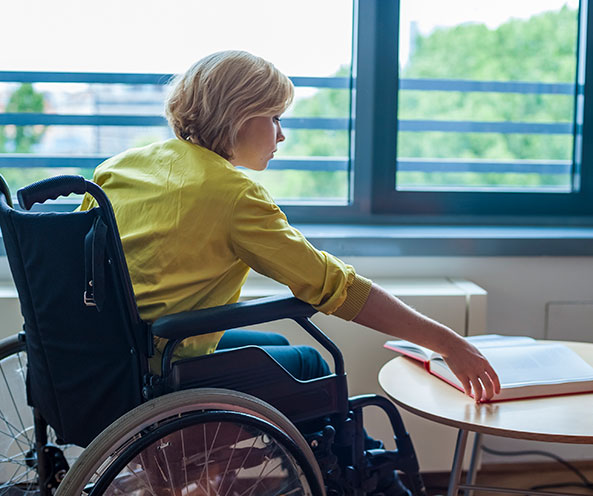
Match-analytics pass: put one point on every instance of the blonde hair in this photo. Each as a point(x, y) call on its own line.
point(210, 102)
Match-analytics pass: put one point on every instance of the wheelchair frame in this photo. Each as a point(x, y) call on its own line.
point(331, 422)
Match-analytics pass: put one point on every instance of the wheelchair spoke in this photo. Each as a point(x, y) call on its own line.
point(18, 463)
point(205, 488)
point(21, 369)
point(293, 491)
point(140, 483)
point(208, 453)
point(12, 459)
point(17, 460)
point(169, 475)
point(16, 433)
point(261, 477)
point(206, 464)
point(242, 464)
point(11, 394)
point(12, 429)
point(232, 454)
point(16, 436)
point(17, 479)
point(185, 458)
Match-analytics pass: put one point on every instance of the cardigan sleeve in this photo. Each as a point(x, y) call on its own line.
point(262, 237)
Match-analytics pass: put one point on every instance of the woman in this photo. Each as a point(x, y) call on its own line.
point(192, 224)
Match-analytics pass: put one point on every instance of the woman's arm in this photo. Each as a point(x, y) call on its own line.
point(385, 313)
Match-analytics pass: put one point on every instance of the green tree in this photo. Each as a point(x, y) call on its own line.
point(541, 49)
point(22, 139)
point(295, 184)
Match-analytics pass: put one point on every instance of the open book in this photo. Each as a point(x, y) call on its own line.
point(526, 368)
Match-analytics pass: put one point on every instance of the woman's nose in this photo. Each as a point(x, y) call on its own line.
point(280, 135)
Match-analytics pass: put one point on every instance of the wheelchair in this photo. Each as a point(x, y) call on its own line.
point(82, 414)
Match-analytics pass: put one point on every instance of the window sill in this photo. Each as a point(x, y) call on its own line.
point(378, 241)
point(432, 241)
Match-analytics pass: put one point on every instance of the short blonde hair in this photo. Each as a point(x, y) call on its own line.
point(210, 102)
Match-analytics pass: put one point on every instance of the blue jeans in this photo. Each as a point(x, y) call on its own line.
point(303, 362)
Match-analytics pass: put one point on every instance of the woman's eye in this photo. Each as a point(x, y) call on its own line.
point(276, 118)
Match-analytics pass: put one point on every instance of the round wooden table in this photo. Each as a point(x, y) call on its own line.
point(559, 419)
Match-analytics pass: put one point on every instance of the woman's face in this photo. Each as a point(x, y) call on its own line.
point(257, 141)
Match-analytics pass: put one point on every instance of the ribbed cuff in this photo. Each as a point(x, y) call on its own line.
point(356, 296)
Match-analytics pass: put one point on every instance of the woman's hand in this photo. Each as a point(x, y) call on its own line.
point(386, 313)
point(472, 369)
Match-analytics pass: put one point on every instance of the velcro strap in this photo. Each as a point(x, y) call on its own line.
point(94, 268)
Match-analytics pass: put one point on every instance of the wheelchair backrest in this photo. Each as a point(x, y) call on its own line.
point(85, 366)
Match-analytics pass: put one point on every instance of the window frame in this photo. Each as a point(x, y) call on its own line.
point(374, 198)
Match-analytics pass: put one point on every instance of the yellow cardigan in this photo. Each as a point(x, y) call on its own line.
point(192, 225)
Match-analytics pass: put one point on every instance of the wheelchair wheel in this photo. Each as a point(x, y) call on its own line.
point(197, 442)
point(18, 459)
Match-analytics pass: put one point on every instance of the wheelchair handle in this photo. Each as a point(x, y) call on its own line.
point(50, 188)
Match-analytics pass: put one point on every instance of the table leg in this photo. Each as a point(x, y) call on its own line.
point(455, 478)
point(473, 464)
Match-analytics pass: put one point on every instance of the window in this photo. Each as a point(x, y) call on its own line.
point(407, 111)
point(489, 115)
point(97, 87)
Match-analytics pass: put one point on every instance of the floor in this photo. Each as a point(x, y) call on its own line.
point(522, 476)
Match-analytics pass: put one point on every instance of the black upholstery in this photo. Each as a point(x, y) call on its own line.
point(84, 366)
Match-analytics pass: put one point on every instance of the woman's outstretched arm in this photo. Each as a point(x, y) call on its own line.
point(386, 313)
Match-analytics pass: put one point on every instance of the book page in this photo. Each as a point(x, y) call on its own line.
point(484, 341)
point(409, 349)
point(540, 363)
point(493, 340)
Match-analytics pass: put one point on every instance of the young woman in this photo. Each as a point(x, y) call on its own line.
point(192, 225)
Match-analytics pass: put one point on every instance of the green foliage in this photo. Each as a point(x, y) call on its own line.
point(291, 184)
point(300, 185)
point(22, 139)
point(314, 143)
point(19, 177)
point(540, 49)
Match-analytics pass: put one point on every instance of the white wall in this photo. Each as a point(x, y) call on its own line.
point(518, 287)
point(523, 292)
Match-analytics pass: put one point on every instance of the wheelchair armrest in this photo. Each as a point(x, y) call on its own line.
point(185, 324)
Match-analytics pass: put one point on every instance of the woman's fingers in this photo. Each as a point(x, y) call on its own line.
point(494, 376)
point(487, 384)
point(474, 371)
point(467, 385)
point(477, 387)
